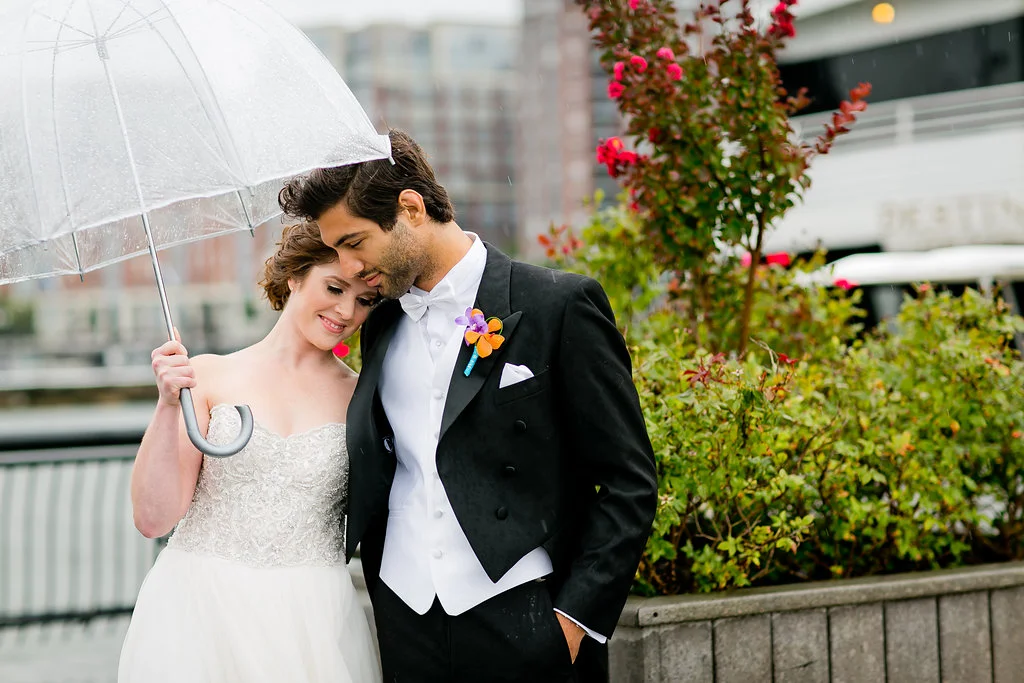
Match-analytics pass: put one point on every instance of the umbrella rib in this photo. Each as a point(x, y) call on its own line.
point(133, 25)
point(56, 143)
point(66, 46)
point(106, 31)
point(28, 138)
point(66, 25)
point(78, 257)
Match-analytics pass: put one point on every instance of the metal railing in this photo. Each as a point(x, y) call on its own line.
point(69, 552)
point(932, 116)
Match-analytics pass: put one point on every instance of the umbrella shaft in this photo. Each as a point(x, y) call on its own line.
point(159, 278)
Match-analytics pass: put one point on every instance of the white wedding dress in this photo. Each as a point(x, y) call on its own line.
point(252, 586)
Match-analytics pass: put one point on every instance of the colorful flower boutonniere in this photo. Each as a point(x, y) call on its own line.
point(483, 334)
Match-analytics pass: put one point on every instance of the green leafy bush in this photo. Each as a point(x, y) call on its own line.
point(825, 452)
point(902, 451)
point(723, 481)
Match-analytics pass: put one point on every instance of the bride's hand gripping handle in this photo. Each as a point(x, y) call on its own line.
point(175, 378)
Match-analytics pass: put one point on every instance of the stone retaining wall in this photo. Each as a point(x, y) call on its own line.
point(955, 626)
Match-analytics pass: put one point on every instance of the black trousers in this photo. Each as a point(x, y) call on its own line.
point(514, 637)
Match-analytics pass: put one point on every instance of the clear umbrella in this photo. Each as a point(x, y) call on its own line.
point(128, 126)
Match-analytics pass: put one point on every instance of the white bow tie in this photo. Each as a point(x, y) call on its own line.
point(416, 305)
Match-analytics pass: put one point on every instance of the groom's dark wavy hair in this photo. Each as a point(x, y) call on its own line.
point(370, 189)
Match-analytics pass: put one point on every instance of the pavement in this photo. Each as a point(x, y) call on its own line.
point(62, 653)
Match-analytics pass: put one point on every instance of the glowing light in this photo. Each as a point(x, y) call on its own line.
point(883, 13)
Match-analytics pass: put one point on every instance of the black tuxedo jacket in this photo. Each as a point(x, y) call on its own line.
point(561, 460)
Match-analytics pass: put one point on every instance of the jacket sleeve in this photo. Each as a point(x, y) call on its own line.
point(612, 452)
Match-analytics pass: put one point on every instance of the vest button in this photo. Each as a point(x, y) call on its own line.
point(510, 470)
point(520, 426)
point(389, 445)
point(501, 514)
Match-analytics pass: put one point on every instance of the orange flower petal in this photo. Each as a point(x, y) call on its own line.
point(483, 347)
point(472, 336)
point(496, 340)
point(493, 325)
point(475, 311)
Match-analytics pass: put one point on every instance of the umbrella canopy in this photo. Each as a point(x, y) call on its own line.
point(128, 126)
point(188, 112)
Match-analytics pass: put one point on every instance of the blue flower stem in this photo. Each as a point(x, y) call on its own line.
point(471, 363)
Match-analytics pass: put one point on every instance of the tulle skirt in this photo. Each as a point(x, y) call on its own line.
point(205, 619)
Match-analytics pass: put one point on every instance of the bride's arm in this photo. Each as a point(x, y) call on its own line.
point(167, 465)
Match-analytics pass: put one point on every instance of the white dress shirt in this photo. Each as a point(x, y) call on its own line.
point(426, 552)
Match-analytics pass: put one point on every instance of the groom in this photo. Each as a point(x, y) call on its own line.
point(503, 504)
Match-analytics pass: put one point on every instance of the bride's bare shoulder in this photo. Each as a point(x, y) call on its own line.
point(219, 375)
point(211, 363)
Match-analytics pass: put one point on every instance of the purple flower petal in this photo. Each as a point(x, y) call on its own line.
point(465, 319)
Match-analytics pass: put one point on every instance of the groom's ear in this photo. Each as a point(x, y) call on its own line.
point(410, 203)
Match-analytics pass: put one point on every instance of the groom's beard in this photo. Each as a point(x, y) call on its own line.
point(403, 263)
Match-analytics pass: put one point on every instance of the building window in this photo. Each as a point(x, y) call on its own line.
point(974, 57)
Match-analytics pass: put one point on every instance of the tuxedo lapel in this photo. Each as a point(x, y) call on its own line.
point(360, 420)
point(370, 463)
point(373, 361)
point(494, 300)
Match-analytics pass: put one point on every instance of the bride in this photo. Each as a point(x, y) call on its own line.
point(252, 585)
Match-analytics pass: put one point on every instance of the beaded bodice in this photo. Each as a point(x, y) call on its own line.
point(277, 502)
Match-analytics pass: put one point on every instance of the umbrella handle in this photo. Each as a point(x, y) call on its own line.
point(188, 411)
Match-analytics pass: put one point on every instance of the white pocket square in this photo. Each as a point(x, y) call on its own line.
point(514, 374)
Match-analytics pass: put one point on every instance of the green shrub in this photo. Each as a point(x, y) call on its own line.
point(902, 451)
point(723, 480)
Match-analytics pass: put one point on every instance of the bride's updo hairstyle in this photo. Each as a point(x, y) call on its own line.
point(298, 251)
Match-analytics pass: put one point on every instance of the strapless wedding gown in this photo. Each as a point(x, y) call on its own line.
point(252, 586)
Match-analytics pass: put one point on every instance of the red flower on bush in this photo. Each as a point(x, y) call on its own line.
point(783, 358)
point(783, 19)
point(639, 63)
point(615, 90)
point(633, 4)
point(665, 53)
point(618, 70)
point(608, 151)
point(628, 158)
point(675, 72)
point(611, 154)
point(843, 283)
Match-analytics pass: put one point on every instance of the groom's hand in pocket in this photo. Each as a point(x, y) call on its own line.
point(573, 635)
